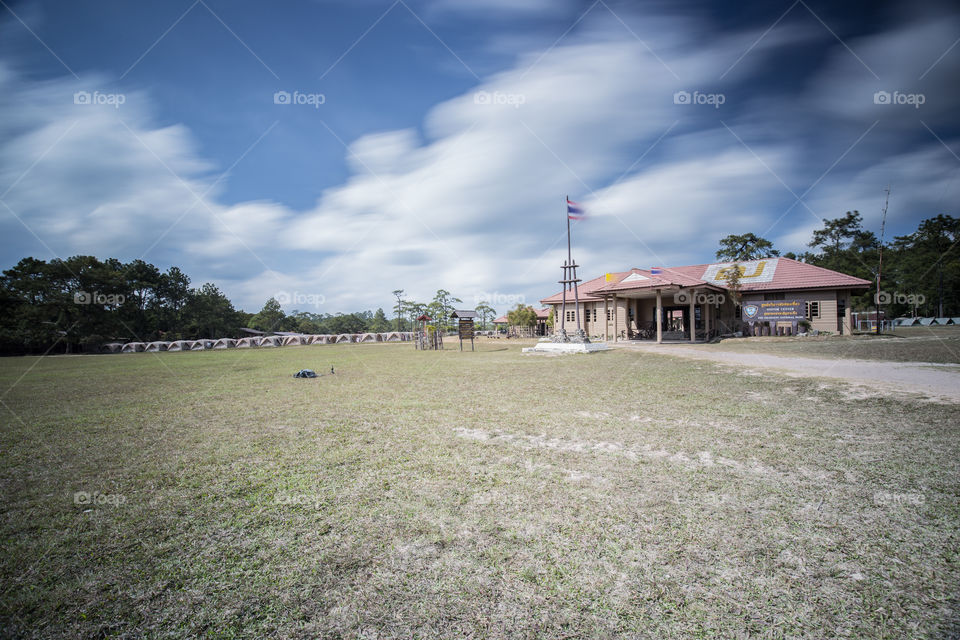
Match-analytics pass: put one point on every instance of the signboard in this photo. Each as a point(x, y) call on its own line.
point(774, 311)
point(465, 328)
point(750, 271)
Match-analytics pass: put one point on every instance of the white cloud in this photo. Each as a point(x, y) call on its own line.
point(475, 204)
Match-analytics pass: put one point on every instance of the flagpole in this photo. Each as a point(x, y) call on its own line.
point(576, 295)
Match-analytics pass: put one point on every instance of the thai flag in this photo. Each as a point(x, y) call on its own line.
point(574, 210)
point(655, 271)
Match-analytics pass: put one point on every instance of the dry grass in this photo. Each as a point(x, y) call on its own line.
point(906, 344)
point(487, 494)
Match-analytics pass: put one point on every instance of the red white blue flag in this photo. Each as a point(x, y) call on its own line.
point(575, 211)
point(655, 271)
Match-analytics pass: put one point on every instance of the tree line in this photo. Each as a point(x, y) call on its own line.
point(77, 304)
point(919, 272)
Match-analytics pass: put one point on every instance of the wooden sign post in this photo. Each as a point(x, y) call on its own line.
point(465, 326)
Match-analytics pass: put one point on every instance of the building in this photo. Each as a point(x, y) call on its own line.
point(695, 303)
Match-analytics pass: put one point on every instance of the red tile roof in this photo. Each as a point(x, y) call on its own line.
point(787, 274)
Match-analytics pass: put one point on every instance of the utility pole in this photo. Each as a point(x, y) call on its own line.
point(883, 224)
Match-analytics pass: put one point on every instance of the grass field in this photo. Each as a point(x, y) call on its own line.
point(450, 495)
point(906, 344)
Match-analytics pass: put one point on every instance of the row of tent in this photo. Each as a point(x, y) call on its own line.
point(258, 341)
point(925, 322)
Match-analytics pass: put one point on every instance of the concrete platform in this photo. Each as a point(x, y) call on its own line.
point(564, 348)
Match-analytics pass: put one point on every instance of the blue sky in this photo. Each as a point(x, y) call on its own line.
point(429, 144)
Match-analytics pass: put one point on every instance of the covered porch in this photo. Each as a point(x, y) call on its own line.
point(669, 314)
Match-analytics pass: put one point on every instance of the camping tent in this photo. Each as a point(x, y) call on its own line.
point(320, 339)
point(112, 347)
point(133, 347)
point(200, 345)
point(270, 341)
point(904, 322)
point(926, 321)
point(292, 341)
point(246, 343)
point(343, 337)
point(225, 343)
point(180, 345)
point(393, 336)
point(157, 346)
point(367, 337)
point(942, 321)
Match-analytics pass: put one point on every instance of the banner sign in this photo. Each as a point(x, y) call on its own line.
point(773, 311)
point(750, 271)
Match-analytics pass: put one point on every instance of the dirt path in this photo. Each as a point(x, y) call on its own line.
point(937, 381)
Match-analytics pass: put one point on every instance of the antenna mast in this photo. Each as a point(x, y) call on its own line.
point(883, 225)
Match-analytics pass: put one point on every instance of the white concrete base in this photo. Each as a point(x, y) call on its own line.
point(563, 348)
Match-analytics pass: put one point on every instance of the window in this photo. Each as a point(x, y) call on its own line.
point(594, 318)
point(813, 309)
point(571, 316)
point(609, 315)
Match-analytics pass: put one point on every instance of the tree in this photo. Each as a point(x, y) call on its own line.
point(270, 318)
point(379, 322)
point(209, 314)
point(442, 305)
point(736, 248)
point(485, 311)
point(399, 306)
point(522, 316)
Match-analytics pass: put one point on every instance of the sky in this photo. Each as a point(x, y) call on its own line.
point(327, 152)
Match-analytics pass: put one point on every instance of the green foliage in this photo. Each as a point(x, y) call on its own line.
point(736, 248)
point(522, 316)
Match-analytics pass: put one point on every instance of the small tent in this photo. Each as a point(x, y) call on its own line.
point(157, 346)
point(366, 337)
point(271, 341)
point(225, 343)
point(942, 321)
point(293, 341)
point(247, 343)
point(133, 347)
point(926, 321)
point(200, 345)
point(180, 345)
point(112, 347)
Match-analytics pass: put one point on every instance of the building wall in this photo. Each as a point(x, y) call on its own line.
point(829, 302)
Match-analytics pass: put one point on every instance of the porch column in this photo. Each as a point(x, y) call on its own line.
point(615, 332)
point(606, 320)
point(693, 317)
point(659, 317)
point(707, 312)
